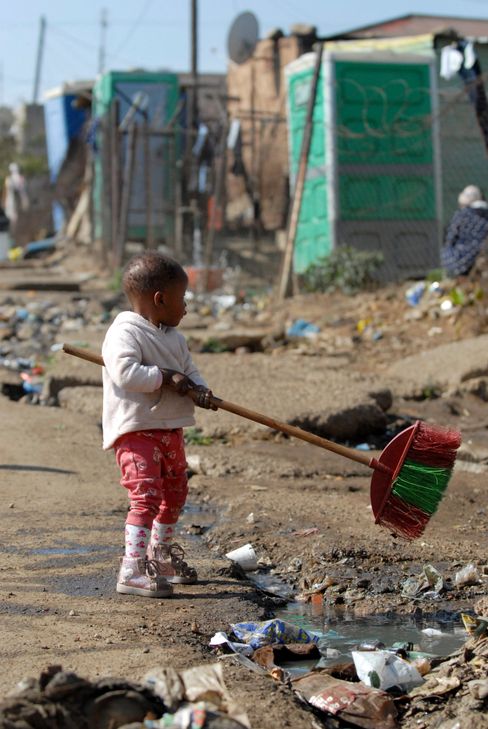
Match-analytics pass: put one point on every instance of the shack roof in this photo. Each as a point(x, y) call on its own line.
point(418, 24)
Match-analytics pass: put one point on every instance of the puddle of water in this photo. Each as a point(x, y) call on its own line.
point(195, 520)
point(71, 550)
point(299, 668)
point(198, 512)
point(344, 632)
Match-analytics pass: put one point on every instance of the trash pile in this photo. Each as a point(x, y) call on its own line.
point(245, 321)
point(440, 298)
point(29, 330)
point(167, 698)
point(379, 686)
point(303, 581)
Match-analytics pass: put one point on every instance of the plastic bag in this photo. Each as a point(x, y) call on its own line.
point(383, 670)
point(468, 575)
point(353, 703)
point(221, 638)
point(429, 583)
point(272, 631)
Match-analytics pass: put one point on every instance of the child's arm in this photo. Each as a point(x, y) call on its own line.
point(122, 357)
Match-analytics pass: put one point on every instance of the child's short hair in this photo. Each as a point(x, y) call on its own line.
point(149, 272)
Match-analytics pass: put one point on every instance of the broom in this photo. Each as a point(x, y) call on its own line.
point(410, 476)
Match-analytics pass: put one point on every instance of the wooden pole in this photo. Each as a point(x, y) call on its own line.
point(217, 203)
point(39, 59)
point(178, 212)
point(300, 183)
point(126, 191)
point(146, 140)
point(115, 172)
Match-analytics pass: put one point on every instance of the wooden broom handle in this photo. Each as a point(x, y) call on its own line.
point(231, 407)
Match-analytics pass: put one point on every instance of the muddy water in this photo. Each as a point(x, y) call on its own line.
point(343, 632)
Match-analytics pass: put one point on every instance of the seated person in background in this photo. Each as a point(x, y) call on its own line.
point(466, 233)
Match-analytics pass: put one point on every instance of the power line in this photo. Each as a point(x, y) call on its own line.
point(59, 61)
point(67, 50)
point(89, 46)
point(74, 39)
point(135, 26)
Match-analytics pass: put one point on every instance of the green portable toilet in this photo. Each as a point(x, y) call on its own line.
point(373, 175)
point(158, 94)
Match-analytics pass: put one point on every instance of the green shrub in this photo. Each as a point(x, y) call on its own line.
point(346, 269)
point(194, 436)
point(115, 283)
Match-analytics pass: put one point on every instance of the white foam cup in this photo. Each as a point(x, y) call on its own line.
point(245, 557)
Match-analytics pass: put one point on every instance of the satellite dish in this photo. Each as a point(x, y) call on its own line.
point(242, 38)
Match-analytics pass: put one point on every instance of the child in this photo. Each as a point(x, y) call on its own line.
point(143, 421)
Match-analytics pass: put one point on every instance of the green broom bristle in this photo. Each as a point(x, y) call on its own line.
point(421, 486)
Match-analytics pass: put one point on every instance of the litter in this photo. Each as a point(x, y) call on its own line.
point(302, 328)
point(220, 638)
point(429, 583)
point(272, 631)
point(432, 632)
point(353, 703)
point(305, 532)
point(468, 575)
point(245, 557)
point(202, 685)
point(446, 306)
point(477, 626)
point(414, 294)
point(383, 669)
point(280, 656)
point(436, 686)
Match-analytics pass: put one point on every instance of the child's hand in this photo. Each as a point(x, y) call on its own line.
point(204, 397)
point(180, 383)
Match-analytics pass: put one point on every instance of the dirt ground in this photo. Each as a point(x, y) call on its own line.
point(306, 512)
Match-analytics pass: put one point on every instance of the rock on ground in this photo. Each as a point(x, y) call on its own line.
point(445, 367)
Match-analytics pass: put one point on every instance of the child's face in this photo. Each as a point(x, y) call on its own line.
point(170, 304)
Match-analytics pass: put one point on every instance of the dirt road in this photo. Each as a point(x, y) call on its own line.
point(306, 512)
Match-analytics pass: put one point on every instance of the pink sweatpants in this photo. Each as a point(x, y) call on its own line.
point(153, 468)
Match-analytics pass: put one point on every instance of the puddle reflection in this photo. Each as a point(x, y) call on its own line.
point(343, 632)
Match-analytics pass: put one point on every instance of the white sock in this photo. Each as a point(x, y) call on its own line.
point(136, 539)
point(162, 533)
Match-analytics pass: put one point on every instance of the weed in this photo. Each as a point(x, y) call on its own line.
point(437, 274)
point(431, 391)
point(194, 436)
point(347, 269)
point(213, 346)
point(115, 283)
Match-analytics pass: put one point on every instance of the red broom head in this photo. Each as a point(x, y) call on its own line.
point(404, 519)
point(434, 446)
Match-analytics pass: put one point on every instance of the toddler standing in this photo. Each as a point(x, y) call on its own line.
point(143, 421)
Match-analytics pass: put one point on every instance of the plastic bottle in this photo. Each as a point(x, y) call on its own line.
point(415, 293)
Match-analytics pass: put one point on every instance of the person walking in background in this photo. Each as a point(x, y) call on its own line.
point(466, 233)
point(15, 198)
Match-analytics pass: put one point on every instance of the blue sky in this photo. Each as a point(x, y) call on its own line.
point(155, 33)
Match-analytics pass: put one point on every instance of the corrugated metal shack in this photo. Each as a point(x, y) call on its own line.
point(258, 193)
